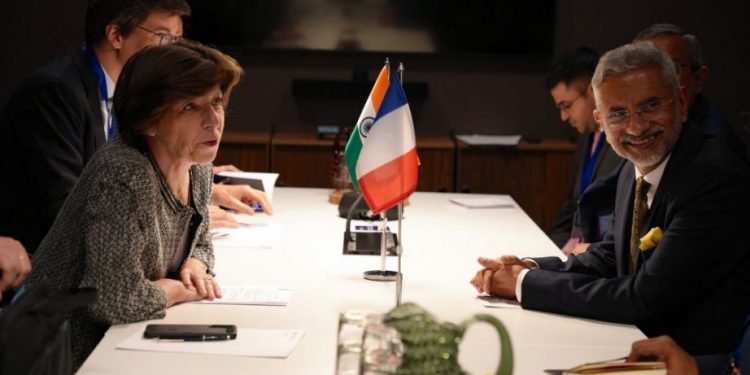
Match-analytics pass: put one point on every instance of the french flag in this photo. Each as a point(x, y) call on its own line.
point(385, 163)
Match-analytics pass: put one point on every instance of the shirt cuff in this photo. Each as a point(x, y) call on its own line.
point(532, 261)
point(519, 283)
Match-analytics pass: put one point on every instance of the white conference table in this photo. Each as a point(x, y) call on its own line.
point(441, 243)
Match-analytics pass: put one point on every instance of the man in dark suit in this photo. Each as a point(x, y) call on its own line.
point(676, 258)
point(55, 121)
point(686, 52)
point(569, 84)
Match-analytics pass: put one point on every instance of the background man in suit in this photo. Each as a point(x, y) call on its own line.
point(676, 257)
point(686, 52)
point(55, 121)
point(569, 83)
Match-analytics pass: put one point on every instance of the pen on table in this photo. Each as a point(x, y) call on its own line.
point(219, 235)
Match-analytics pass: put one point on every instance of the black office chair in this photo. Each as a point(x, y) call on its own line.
point(55, 356)
point(34, 335)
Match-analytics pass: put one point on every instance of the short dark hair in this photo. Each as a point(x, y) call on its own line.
point(157, 77)
point(126, 14)
point(572, 66)
point(691, 41)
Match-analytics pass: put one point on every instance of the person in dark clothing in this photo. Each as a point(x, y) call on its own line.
point(686, 52)
point(675, 259)
point(62, 114)
point(135, 226)
point(569, 84)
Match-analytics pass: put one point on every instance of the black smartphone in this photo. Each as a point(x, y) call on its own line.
point(191, 332)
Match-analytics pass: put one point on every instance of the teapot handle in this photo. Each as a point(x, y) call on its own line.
point(506, 348)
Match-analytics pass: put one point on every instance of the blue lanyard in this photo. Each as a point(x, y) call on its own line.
point(588, 164)
point(101, 82)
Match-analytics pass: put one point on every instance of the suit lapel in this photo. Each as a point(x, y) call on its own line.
point(683, 152)
point(600, 157)
point(580, 157)
point(92, 96)
point(623, 217)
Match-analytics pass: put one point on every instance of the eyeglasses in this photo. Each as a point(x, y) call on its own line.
point(649, 111)
point(565, 106)
point(164, 38)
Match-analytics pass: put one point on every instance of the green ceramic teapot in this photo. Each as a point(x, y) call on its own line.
point(410, 341)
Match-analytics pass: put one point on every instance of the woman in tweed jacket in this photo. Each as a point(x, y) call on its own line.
point(136, 225)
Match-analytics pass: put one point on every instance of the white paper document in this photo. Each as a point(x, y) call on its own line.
point(249, 295)
point(250, 342)
point(488, 202)
point(268, 179)
point(255, 232)
point(489, 140)
point(497, 302)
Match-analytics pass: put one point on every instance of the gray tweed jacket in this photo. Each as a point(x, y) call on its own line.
point(117, 232)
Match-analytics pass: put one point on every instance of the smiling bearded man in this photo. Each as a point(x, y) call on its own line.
point(692, 282)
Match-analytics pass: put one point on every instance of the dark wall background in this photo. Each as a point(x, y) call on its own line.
point(487, 95)
point(722, 26)
point(34, 32)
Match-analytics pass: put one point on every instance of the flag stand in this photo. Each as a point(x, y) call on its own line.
point(382, 274)
point(405, 153)
point(399, 275)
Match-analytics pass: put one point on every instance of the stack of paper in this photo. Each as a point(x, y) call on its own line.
point(254, 232)
point(488, 202)
point(497, 302)
point(489, 140)
point(247, 295)
point(615, 367)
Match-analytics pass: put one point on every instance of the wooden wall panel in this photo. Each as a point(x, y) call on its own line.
point(246, 151)
point(537, 175)
point(560, 175)
point(303, 166)
point(436, 164)
point(252, 158)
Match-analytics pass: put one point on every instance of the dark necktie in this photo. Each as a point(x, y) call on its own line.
point(640, 211)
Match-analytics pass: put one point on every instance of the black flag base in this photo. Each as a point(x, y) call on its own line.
point(379, 275)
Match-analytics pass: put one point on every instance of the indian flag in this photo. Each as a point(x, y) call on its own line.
point(381, 153)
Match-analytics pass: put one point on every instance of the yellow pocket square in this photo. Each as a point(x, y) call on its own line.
point(651, 239)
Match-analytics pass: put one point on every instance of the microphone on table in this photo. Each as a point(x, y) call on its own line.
point(366, 242)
